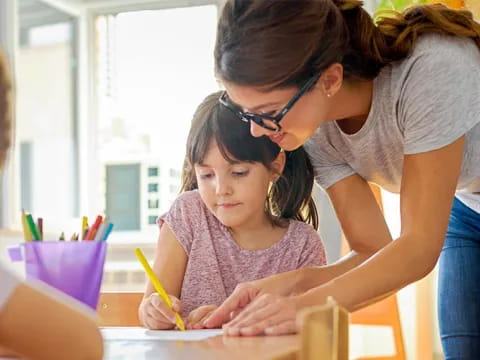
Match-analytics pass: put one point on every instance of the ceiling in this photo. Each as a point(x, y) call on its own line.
point(42, 12)
point(33, 13)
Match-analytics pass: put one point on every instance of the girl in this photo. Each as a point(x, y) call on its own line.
point(395, 103)
point(33, 324)
point(241, 217)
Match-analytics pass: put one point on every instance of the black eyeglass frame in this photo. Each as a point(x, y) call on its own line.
point(259, 118)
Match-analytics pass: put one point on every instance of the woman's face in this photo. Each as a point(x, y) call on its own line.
point(297, 125)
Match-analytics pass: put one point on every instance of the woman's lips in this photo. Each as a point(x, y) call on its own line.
point(277, 138)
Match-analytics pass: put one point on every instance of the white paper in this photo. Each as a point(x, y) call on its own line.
point(139, 333)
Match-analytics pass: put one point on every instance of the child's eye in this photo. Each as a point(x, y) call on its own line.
point(240, 173)
point(205, 176)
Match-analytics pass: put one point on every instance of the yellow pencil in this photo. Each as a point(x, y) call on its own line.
point(158, 286)
point(84, 227)
point(26, 230)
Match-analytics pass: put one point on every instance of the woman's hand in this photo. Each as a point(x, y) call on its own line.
point(195, 319)
point(283, 284)
point(243, 294)
point(156, 315)
point(267, 314)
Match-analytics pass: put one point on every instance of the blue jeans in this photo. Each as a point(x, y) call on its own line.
point(459, 285)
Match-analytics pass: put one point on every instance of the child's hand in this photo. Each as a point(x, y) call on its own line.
point(196, 317)
point(156, 315)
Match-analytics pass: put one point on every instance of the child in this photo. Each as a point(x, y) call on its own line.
point(33, 324)
point(242, 216)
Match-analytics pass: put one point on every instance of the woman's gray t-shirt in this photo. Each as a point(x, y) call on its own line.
point(420, 104)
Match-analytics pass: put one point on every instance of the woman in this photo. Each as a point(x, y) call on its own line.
point(395, 104)
point(33, 324)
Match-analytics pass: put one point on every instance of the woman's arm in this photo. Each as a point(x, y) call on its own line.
point(36, 326)
point(427, 191)
point(363, 225)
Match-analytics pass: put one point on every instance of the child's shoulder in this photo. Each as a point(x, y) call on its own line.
point(189, 199)
point(188, 205)
point(300, 229)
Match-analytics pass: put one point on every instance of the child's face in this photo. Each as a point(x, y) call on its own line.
point(234, 193)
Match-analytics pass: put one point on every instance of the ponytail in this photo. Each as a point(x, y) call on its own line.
point(394, 36)
point(290, 196)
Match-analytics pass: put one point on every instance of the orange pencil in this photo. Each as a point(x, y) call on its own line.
point(94, 228)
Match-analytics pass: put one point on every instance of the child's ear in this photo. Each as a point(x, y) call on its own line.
point(278, 164)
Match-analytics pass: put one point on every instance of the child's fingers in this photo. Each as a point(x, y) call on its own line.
point(176, 304)
point(155, 324)
point(196, 317)
point(157, 314)
point(160, 310)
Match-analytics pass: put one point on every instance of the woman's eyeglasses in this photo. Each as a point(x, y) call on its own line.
point(266, 121)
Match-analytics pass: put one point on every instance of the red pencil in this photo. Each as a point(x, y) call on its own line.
point(93, 229)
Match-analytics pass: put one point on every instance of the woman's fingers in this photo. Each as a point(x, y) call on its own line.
point(287, 327)
point(267, 312)
point(241, 296)
point(259, 309)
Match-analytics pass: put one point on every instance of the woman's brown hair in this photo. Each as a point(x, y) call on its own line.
point(5, 110)
point(284, 42)
point(290, 197)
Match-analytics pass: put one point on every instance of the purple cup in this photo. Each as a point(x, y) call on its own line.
point(75, 268)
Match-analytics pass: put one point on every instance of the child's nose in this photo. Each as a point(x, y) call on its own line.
point(223, 187)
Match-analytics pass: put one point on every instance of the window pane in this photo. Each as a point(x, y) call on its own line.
point(46, 123)
point(153, 171)
point(147, 92)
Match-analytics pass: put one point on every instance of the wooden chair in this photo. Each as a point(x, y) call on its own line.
point(119, 309)
point(383, 313)
point(323, 334)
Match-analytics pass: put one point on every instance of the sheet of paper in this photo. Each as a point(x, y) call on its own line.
point(138, 333)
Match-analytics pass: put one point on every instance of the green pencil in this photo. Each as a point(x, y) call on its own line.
point(33, 228)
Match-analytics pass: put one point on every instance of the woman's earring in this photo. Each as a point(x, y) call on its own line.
point(329, 95)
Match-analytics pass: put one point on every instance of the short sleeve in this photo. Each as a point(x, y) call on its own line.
point(8, 283)
point(181, 218)
point(328, 164)
point(313, 253)
point(439, 98)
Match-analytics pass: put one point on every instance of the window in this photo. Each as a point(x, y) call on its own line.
point(147, 92)
point(46, 128)
point(153, 203)
point(152, 220)
point(152, 171)
point(152, 188)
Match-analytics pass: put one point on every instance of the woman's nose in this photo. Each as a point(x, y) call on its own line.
point(257, 130)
